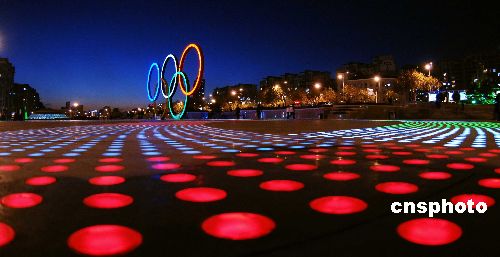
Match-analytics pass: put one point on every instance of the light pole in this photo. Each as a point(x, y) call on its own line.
point(428, 67)
point(377, 79)
point(341, 76)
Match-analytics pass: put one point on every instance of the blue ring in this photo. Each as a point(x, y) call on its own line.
point(152, 99)
point(178, 116)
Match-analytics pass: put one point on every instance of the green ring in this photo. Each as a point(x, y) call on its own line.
point(178, 116)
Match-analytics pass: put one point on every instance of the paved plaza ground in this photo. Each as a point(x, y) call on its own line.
point(246, 188)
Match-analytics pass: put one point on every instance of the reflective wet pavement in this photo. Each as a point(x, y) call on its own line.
point(194, 188)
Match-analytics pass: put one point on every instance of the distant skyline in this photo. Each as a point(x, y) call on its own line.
point(98, 52)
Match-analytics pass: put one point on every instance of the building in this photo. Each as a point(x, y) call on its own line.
point(382, 65)
point(24, 101)
point(196, 101)
point(305, 80)
point(238, 95)
point(7, 71)
point(459, 73)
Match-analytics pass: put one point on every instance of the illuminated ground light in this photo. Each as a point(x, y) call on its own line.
point(201, 194)
point(396, 188)
point(343, 162)
point(429, 231)
point(109, 168)
point(476, 198)
point(341, 176)
point(108, 200)
point(106, 180)
point(24, 160)
point(110, 160)
point(7, 234)
point(221, 163)
point(204, 157)
point(178, 178)
point(55, 168)
point(284, 152)
point(238, 226)
point(435, 175)
point(338, 205)
point(245, 173)
point(270, 160)
point(247, 155)
point(40, 181)
point(313, 156)
point(385, 168)
point(64, 160)
point(281, 185)
point(301, 167)
point(21, 200)
point(376, 157)
point(9, 167)
point(416, 162)
point(166, 166)
point(104, 240)
point(490, 182)
point(460, 166)
point(437, 156)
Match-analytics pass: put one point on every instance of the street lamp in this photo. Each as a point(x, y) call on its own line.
point(428, 67)
point(317, 85)
point(341, 76)
point(377, 79)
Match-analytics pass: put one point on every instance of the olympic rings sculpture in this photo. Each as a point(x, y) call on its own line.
point(178, 76)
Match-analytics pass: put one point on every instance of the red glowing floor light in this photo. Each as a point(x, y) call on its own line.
point(429, 231)
point(245, 173)
point(54, 168)
point(385, 168)
point(341, 176)
point(435, 175)
point(460, 166)
point(109, 168)
point(339, 205)
point(221, 163)
point(238, 226)
point(110, 160)
point(64, 160)
point(40, 181)
point(489, 182)
point(7, 234)
point(301, 167)
point(396, 188)
point(108, 200)
point(281, 185)
point(166, 166)
point(104, 240)
point(21, 200)
point(476, 198)
point(178, 178)
point(9, 167)
point(201, 194)
point(106, 180)
point(270, 160)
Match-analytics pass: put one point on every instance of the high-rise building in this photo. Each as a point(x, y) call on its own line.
point(461, 72)
point(303, 80)
point(24, 101)
point(196, 101)
point(7, 71)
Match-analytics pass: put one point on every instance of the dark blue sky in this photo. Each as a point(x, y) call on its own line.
point(98, 52)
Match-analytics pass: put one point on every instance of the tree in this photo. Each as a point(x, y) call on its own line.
point(410, 81)
point(484, 89)
point(352, 94)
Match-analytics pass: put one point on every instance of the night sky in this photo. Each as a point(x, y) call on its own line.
point(98, 52)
